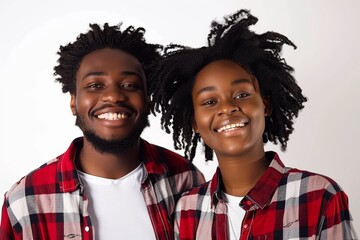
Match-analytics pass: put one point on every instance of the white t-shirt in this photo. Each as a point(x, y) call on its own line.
point(117, 207)
point(235, 215)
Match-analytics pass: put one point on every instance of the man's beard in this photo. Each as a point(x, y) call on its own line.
point(113, 146)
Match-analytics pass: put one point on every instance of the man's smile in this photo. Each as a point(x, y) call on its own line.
point(113, 116)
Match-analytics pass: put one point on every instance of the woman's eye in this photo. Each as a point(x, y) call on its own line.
point(241, 95)
point(209, 102)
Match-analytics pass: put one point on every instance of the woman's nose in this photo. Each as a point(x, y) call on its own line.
point(228, 108)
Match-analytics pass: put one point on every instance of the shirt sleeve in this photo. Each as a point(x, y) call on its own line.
point(336, 222)
point(6, 229)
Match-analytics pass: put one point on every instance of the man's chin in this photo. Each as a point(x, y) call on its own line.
point(114, 146)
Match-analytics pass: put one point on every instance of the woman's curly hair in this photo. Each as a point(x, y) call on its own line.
point(173, 77)
point(131, 40)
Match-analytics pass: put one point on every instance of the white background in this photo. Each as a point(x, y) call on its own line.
point(36, 123)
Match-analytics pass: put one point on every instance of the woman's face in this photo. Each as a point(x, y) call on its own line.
point(229, 112)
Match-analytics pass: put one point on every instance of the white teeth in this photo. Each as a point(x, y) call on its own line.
point(230, 127)
point(112, 116)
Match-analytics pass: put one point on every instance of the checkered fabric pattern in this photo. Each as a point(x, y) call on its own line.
point(49, 203)
point(285, 203)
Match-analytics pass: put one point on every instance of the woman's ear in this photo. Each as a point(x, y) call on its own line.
point(268, 107)
point(150, 105)
point(72, 104)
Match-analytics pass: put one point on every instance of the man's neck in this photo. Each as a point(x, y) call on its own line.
point(106, 165)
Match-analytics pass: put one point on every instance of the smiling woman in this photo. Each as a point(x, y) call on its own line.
point(242, 94)
point(229, 108)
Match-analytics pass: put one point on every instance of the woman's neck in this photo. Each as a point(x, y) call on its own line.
point(239, 175)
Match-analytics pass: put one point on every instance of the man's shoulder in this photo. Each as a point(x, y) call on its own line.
point(45, 179)
point(41, 177)
point(168, 166)
point(171, 159)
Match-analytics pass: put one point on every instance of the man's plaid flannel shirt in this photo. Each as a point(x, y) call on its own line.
point(49, 203)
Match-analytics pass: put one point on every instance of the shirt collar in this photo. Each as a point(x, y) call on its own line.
point(66, 169)
point(67, 174)
point(261, 194)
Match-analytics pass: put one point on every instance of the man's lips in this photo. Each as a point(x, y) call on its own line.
point(113, 116)
point(232, 126)
point(110, 112)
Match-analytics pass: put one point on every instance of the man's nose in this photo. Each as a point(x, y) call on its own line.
point(114, 94)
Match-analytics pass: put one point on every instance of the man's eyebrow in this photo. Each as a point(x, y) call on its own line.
point(212, 88)
point(99, 73)
point(93, 74)
point(131, 73)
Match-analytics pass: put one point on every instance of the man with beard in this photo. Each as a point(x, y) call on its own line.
point(109, 184)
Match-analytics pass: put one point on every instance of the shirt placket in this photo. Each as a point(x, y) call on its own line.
point(221, 222)
point(247, 222)
point(87, 229)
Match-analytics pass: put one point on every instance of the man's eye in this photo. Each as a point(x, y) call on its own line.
point(130, 86)
point(94, 86)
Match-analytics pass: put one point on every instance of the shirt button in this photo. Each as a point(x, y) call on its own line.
point(87, 228)
point(246, 226)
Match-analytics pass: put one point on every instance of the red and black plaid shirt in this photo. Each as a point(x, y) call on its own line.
point(50, 203)
point(284, 204)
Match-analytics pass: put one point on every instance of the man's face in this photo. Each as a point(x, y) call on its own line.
point(110, 101)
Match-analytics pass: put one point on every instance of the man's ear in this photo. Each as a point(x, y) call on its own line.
point(194, 126)
point(72, 104)
point(268, 107)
